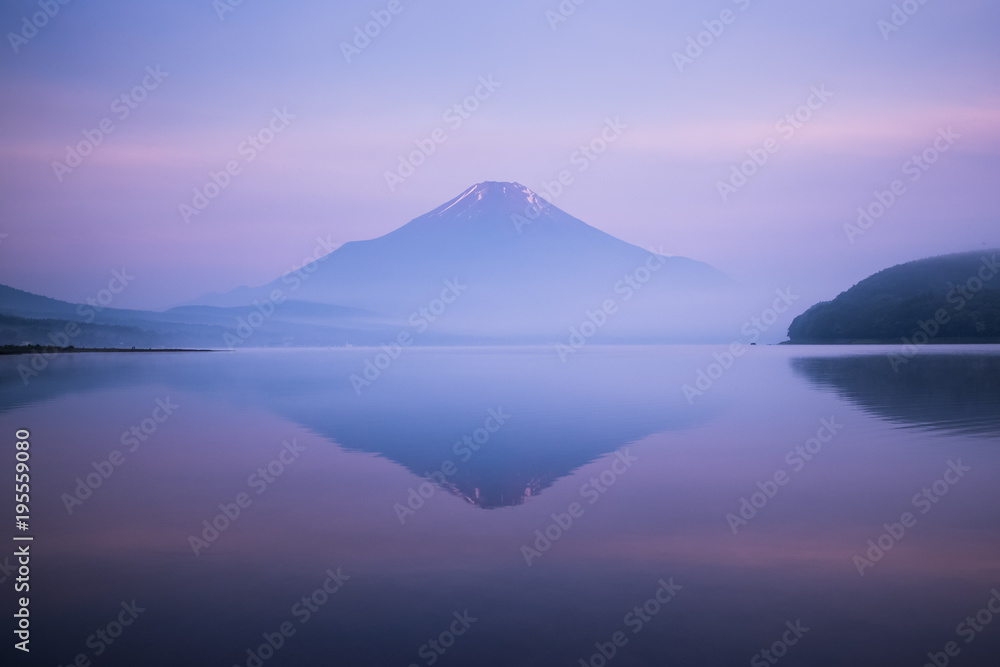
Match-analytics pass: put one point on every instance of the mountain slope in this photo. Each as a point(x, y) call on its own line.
point(19, 303)
point(34, 319)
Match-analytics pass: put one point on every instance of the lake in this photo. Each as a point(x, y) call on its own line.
point(631, 506)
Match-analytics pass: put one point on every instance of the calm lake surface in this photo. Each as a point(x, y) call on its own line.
point(576, 508)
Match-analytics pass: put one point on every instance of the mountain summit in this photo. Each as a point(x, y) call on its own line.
point(498, 209)
point(487, 196)
point(524, 268)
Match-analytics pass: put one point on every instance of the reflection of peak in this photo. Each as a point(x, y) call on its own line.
point(415, 415)
point(490, 491)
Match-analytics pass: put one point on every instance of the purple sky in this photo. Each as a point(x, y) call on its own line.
point(324, 173)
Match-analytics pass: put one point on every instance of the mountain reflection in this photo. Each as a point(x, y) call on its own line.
point(492, 428)
point(957, 393)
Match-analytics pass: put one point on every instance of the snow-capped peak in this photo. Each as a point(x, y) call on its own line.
point(513, 196)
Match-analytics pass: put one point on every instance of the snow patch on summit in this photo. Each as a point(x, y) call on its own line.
point(464, 195)
point(517, 198)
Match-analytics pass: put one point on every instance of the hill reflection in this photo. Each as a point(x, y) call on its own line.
point(957, 393)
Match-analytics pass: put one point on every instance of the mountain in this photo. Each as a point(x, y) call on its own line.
point(522, 268)
point(497, 264)
point(15, 302)
point(950, 298)
point(39, 320)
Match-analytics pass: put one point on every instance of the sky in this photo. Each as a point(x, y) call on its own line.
point(672, 97)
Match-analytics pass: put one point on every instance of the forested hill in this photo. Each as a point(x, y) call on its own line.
point(951, 298)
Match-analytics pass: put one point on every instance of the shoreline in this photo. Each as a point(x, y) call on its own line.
point(12, 350)
point(52, 349)
point(882, 341)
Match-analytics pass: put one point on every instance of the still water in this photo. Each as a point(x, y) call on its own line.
point(811, 506)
